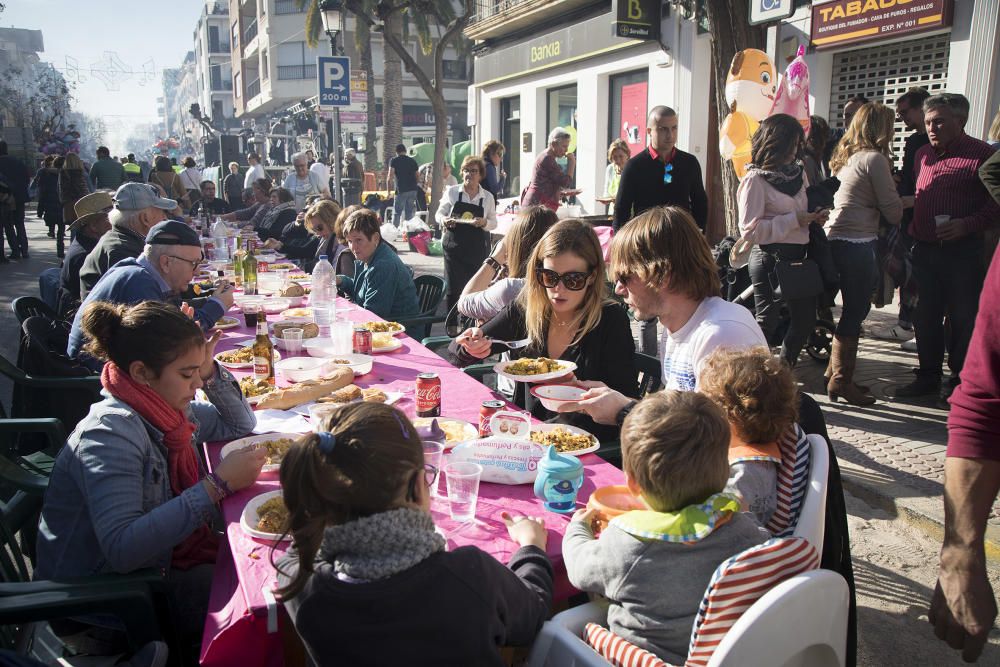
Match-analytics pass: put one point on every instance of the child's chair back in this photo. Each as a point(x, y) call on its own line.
point(793, 478)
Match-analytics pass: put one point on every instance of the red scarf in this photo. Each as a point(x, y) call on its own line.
point(182, 462)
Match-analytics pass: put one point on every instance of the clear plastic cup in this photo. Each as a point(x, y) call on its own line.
point(342, 337)
point(433, 452)
point(462, 480)
point(292, 339)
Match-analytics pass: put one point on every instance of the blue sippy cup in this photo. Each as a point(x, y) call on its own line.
point(558, 481)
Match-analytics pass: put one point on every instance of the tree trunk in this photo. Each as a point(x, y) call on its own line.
point(392, 94)
point(731, 32)
point(440, 139)
point(371, 139)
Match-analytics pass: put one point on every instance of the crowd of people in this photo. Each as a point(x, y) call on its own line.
point(129, 490)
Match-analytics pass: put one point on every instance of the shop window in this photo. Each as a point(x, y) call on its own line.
point(629, 107)
point(561, 110)
point(455, 69)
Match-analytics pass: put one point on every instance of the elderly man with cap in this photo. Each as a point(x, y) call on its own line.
point(161, 273)
point(137, 208)
point(90, 225)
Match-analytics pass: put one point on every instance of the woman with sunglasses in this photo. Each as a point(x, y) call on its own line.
point(370, 580)
point(564, 312)
point(467, 212)
point(774, 216)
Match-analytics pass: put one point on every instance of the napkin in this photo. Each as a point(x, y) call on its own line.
point(280, 421)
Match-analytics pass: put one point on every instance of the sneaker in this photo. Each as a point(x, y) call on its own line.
point(909, 346)
point(895, 332)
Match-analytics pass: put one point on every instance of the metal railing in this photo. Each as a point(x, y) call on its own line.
point(250, 32)
point(488, 8)
point(287, 7)
point(218, 47)
point(253, 89)
point(296, 72)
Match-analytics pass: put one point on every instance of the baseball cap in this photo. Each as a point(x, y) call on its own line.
point(137, 196)
point(171, 232)
point(90, 207)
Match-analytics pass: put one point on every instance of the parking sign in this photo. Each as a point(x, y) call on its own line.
point(334, 81)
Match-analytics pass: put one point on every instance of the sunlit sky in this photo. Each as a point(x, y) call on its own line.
point(144, 37)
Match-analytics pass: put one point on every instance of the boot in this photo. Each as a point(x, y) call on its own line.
point(828, 373)
point(843, 359)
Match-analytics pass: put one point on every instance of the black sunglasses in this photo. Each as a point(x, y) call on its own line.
point(573, 280)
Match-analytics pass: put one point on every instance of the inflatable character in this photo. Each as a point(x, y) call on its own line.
point(793, 91)
point(750, 92)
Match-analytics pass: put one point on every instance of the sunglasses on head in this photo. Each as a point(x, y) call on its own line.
point(667, 176)
point(573, 280)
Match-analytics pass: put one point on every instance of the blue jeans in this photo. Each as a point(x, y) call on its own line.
point(404, 203)
point(858, 271)
point(949, 278)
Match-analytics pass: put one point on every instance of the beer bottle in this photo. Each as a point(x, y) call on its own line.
point(263, 352)
point(250, 273)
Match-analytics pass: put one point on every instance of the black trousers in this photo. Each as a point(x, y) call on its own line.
point(465, 249)
point(801, 312)
point(13, 227)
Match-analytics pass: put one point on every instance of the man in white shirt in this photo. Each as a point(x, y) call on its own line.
point(255, 171)
point(320, 168)
point(663, 268)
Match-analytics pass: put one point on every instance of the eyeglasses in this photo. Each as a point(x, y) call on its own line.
point(193, 262)
point(573, 280)
point(470, 171)
point(667, 176)
point(430, 474)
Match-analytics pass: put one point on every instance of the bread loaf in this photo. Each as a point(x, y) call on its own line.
point(309, 329)
point(308, 391)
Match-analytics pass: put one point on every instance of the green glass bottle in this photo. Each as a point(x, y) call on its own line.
point(250, 273)
point(238, 261)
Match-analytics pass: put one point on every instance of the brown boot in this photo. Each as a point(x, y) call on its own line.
point(843, 359)
point(828, 373)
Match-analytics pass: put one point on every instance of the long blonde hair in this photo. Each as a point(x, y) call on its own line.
point(994, 134)
point(871, 129)
point(572, 236)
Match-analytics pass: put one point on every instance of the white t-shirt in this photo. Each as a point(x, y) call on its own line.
point(253, 173)
point(716, 323)
point(322, 171)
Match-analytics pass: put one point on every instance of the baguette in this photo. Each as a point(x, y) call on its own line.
point(310, 390)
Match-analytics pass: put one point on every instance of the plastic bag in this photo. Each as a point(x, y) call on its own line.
point(389, 232)
point(504, 460)
point(416, 225)
point(418, 241)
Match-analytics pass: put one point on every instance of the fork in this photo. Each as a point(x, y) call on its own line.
point(512, 344)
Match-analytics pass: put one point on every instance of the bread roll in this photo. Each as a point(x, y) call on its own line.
point(309, 329)
point(308, 391)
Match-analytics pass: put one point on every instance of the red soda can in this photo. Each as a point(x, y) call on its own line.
point(488, 409)
point(362, 341)
point(428, 395)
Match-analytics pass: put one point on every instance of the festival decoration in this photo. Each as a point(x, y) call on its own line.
point(60, 141)
point(750, 91)
point(793, 91)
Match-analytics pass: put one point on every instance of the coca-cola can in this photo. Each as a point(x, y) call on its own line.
point(428, 395)
point(362, 341)
point(488, 409)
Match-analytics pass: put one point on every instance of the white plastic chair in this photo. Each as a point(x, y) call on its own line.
point(559, 643)
point(811, 521)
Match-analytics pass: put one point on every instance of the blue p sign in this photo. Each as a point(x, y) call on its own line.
point(334, 81)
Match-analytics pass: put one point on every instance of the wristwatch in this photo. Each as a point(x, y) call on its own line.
point(623, 413)
point(497, 266)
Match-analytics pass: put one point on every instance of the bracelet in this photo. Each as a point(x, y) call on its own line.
point(220, 484)
point(494, 264)
point(623, 413)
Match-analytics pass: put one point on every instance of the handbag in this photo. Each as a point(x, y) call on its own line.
point(797, 279)
point(819, 252)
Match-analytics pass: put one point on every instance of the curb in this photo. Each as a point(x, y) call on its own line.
point(926, 514)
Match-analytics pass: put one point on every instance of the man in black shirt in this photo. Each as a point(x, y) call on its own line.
point(661, 175)
point(209, 202)
point(403, 170)
point(13, 171)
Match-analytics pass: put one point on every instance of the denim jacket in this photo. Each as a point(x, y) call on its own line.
point(109, 506)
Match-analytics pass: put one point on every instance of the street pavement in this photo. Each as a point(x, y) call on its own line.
point(891, 455)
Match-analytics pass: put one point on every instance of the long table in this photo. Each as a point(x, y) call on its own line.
point(243, 624)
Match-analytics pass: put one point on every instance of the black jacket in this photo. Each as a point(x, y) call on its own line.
point(605, 354)
point(452, 608)
point(642, 187)
point(69, 275)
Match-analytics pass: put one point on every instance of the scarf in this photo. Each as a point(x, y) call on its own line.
point(685, 526)
point(182, 462)
point(786, 179)
point(380, 545)
point(272, 215)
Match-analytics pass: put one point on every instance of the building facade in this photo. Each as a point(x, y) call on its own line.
point(274, 71)
point(212, 64)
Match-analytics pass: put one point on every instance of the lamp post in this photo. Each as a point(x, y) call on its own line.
point(332, 14)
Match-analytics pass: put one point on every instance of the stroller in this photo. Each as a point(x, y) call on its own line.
point(738, 288)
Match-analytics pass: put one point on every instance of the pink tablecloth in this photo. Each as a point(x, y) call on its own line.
point(241, 628)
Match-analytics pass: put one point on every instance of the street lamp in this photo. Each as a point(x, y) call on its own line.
point(332, 15)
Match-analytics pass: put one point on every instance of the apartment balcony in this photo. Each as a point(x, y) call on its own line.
point(218, 48)
point(497, 18)
point(250, 37)
point(253, 89)
point(286, 72)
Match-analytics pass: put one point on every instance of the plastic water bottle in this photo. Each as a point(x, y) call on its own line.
point(220, 235)
point(323, 295)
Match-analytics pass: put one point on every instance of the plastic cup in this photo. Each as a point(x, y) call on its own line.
point(462, 479)
point(293, 340)
point(433, 452)
point(250, 310)
point(941, 219)
point(342, 337)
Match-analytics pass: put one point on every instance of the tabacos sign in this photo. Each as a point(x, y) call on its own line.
point(851, 21)
point(636, 19)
